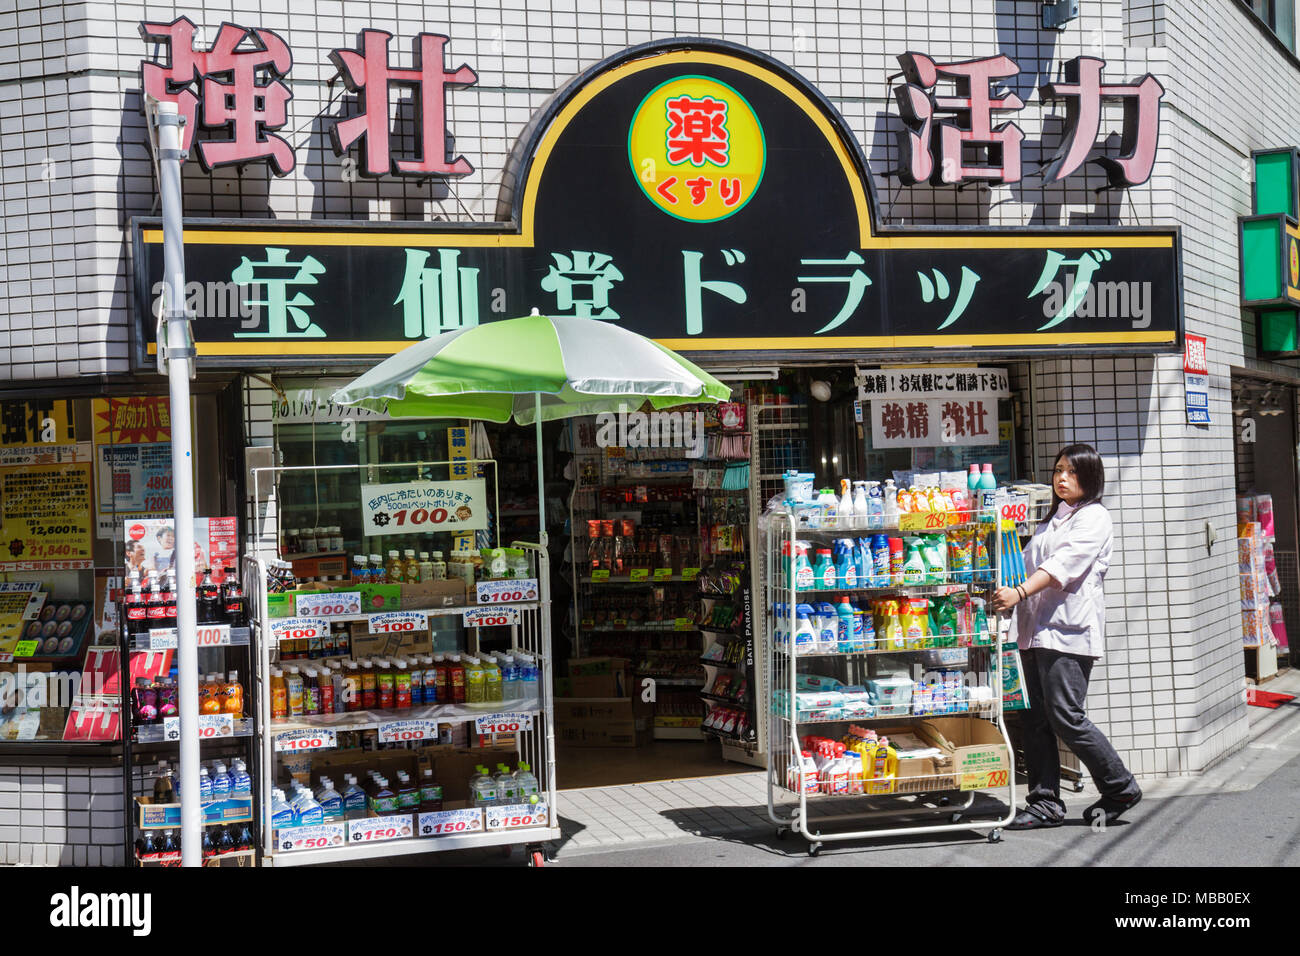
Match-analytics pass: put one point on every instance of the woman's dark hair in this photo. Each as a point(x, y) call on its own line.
point(1089, 471)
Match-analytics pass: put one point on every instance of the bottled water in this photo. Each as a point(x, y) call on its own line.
point(221, 783)
point(205, 785)
point(526, 786)
point(282, 814)
point(354, 799)
point(331, 802)
point(241, 782)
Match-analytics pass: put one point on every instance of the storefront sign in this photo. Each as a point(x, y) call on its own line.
point(494, 616)
point(906, 423)
point(397, 622)
point(670, 189)
point(927, 382)
point(1196, 380)
point(512, 590)
point(424, 507)
point(36, 421)
point(45, 517)
point(133, 464)
point(966, 137)
point(312, 405)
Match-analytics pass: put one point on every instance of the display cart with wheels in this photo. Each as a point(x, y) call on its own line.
point(436, 744)
point(911, 707)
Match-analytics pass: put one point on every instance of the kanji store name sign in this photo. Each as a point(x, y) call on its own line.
point(704, 196)
point(952, 134)
point(237, 88)
point(931, 406)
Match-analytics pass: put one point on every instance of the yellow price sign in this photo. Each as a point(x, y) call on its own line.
point(984, 780)
point(690, 574)
point(600, 576)
point(663, 574)
point(640, 574)
point(25, 648)
point(920, 521)
point(683, 624)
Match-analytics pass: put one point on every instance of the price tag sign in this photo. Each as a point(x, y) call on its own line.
point(503, 723)
point(397, 622)
point(690, 574)
point(25, 648)
point(400, 731)
point(984, 780)
point(212, 635)
point(310, 738)
point(171, 728)
point(599, 576)
point(378, 829)
point(6, 658)
point(663, 574)
point(490, 616)
point(587, 624)
point(516, 815)
point(619, 622)
point(683, 624)
point(1014, 510)
point(640, 574)
point(334, 604)
point(162, 638)
point(442, 822)
point(512, 589)
point(299, 628)
point(923, 520)
point(310, 838)
point(216, 726)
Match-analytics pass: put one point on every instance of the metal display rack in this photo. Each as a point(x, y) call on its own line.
point(924, 799)
point(414, 832)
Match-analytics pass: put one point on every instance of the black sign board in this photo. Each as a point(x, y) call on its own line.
point(698, 193)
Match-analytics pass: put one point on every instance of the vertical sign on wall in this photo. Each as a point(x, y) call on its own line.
point(1196, 380)
point(458, 455)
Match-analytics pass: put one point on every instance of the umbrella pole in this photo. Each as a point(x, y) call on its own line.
point(541, 479)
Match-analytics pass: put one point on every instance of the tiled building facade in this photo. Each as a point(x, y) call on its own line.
point(75, 166)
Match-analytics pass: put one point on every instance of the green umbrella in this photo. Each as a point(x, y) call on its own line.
point(532, 369)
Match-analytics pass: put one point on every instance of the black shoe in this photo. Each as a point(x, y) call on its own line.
point(1112, 809)
point(1028, 820)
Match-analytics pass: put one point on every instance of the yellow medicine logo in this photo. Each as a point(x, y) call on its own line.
point(697, 149)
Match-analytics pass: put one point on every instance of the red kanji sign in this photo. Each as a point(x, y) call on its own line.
point(697, 131)
point(238, 82)
point(368, 74)
point(1195, 359)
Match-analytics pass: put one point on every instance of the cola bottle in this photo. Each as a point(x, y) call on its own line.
point(209, 610)
point(155, 607)
point(209, 846)
point(233, 599)
point(169, 599)
point(135, 610)
point(225, 840)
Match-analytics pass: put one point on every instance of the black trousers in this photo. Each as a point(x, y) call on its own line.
point(1056, 685)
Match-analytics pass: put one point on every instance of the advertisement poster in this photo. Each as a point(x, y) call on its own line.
point(45, 517)
point(133, 467)
point(37, 421)
point(151, 547)
point(424, 507)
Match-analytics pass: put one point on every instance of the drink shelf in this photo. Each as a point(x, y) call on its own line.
point(430, 611)
point(984, 708)
point(371, 719)
point(413, 845)
point(730, 738)
point(238, 638)
point(157, 734)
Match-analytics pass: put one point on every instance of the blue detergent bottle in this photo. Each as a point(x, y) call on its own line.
point(845, 632)
point(862, 561)
point(846, 569)
point(804, 578)
point(824, 571)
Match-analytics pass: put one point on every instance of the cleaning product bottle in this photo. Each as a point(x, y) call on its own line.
point(865, 620)
point(827, 506)
point(889, 504)
point(827, 628)
point(846, 510)
point(846, 642)
point(862, 564)
point(880, 577)
point(988, 494)
point(913, 564)
point(824, 570)
point(979, 622)
point(805, 637)
point(804, 576)
point(933, 552)
point(861, 505)
point(846, 569)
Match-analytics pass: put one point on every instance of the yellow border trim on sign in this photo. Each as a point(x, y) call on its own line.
point(598, 84)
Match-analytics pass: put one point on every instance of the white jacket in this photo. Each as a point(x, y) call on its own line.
point(1074, 548)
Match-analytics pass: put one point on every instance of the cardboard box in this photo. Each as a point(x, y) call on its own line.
point(597, 722)
point(365, 644)
point(432, 594)
point(325, 564)
point(163, 816)
point(599, 677)
point(975, 745)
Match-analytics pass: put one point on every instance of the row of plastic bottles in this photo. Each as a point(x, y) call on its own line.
point(504, 788)
point(216, 782)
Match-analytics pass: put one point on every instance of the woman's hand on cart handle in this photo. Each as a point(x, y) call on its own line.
point(1004, 599)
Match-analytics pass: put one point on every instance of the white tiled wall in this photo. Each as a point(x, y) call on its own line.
point(61, 817)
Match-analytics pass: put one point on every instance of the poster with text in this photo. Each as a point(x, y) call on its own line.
point(133, 467)
point(45, 517)
point(150, 549)
point(424, 507)
point(35, 421)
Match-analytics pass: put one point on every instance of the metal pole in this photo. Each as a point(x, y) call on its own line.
point(179, 355)
point(541, 481)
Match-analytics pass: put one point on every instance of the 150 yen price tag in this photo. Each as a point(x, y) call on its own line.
point(377, 829)
point(516, 815)
point(503, 723)
point(310, 838)
point(443, 822)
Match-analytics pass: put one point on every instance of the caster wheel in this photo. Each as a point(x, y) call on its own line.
point(943, 801)
point(995, 836)
point(1078, 787)
point(537, 859)
point(814, 849)
point(955, 818)
point(782, 832)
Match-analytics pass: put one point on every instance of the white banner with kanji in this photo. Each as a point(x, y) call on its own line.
point(423, 507)
point(922, 382)
point(917, 422)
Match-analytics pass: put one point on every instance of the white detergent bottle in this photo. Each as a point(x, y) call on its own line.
point(861, 505)
point(890, 504)
point(875, 506)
